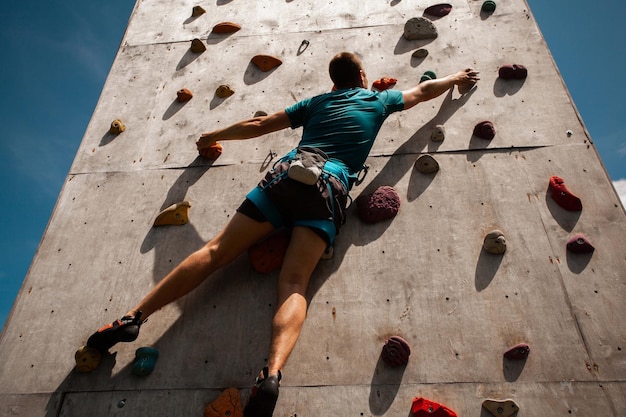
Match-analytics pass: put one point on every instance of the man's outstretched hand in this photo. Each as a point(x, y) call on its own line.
point(466, 79)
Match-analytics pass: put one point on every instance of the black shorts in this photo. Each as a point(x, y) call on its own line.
point(286, 202)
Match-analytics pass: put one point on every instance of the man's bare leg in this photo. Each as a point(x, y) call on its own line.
point(238, 235)
point(304, 251)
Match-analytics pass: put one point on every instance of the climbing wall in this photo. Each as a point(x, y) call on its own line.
point(423, 276)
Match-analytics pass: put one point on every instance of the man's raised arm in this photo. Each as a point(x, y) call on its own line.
point(430, 89)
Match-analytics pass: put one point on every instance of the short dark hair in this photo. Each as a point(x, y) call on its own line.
point(345, 70)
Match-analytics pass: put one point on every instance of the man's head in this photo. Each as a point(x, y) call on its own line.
point(346, 71)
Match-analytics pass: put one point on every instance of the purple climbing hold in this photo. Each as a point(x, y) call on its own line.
point(518, 352)
point(512, 72)
point(439, 10)
point(382, 204)
point(396, 351)
point(485, 130)
point(580, 244)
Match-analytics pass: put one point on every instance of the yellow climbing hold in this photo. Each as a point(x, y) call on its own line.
point(117, 127)
point(197, 46)
point(197, 11)
point(176, 214)
point(87, 359)
point(224, 91)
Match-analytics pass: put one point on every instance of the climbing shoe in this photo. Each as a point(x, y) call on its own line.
point(125, 329)
point(264, 396)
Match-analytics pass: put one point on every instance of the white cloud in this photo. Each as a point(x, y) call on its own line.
point(620, 187)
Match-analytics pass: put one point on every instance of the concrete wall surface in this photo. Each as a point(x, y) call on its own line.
point(423, 275)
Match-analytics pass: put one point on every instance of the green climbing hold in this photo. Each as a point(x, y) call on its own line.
point(489, 6)
point(428, 75)
point(145, 359)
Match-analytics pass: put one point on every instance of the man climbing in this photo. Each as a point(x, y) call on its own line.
point(306, 191)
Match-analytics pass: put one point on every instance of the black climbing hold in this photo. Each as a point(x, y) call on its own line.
point(580, 244)
point(512, 72)
point(518, 352)
point(197, 46)
point(495, 242)
point(489, 6)
point(420, 53)
point(438, 134)
point(426, 164)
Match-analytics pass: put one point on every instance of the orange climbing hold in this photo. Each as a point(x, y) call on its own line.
point(226, 27)
point(422, 407)
point(117, 127)
point(384, 83)
point(228, 404)
point(176, 214)
point(183, 95)
point(212, 152)
point(269, 254)
point(266, 62)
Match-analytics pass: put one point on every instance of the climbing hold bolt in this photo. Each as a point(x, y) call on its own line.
point(87, 359)
point(384, 83)
point(495, 242)
point(117, 127)
point(501, 408)
point(518, 352)
point(197, 46)
point(197, 11)
point(421, 407)
point(420, 53)
point(183, 95)
point(226, 27)
point(488, 6)
point(145, 359)
point(512, 72)
point(485, 130)
point(569, 133)
point(396, 351)
point(426, 164)
point(562, 196)
point(438, 134)
point(224, 91)
point(266, 62)
point(439, 10)
point(382, 204)
point(176, 214)
point(428, 75)
point(269, 254)
point(418, 28)
point(228, 404)
point(212, 152)
point(579, 244)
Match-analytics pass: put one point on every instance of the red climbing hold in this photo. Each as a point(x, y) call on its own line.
point(396, 352)
point(580, 244)
point(384, 83)
point(512, 72)
point(422, 407)
point(518, 352)
point(485, 130)
point(439, 10)
point(382, 204)
point(268, 254)
point(563, 196)
point(212, 152)
point(266, 62)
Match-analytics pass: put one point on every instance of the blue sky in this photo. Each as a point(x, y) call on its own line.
point(57, 56)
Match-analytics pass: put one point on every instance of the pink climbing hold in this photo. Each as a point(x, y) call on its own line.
point(422, 407)
point(485, 130)
point(580, 244)
point(382, 204)
point(562, 196)
point(518, 352)
point(512, 72)
point(439, 10)
point(396, 351)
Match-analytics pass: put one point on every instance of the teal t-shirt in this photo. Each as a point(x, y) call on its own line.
point(344, 123)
